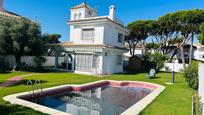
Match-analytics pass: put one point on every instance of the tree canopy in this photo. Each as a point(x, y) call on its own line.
point(170, 33)
point(201, 35)
point(51, 38)
point(139, 32)
point(20, 37)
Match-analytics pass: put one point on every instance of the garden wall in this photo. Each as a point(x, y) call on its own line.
point(201, 82)
point(29, 60)
point(177, 67)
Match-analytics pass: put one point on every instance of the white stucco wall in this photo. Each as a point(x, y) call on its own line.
point(111, 32)
point(201, 82)
point(199, 55)
point(177, 67)
point(110, 62)
point(137, 52)
point(77, 12)
point(84, 12)
point(29, 60)
point(105, 33)
point(76, 30)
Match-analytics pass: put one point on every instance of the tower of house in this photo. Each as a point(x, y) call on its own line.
point(82, 11)
point(96, 42)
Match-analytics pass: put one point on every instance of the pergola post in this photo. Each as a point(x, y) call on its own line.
point(56, 61)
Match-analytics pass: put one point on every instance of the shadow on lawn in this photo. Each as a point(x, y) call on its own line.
point(5, 72)
point(133, 72)
point(8, 109)
point(24, 82)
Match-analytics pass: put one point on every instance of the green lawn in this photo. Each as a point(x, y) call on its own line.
point(5, 76)
point(175, 100)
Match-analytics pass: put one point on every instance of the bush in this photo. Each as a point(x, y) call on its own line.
point(39, 61)
point(3, 66)
point(155, 61)
point(191, 75)
point(23, 67)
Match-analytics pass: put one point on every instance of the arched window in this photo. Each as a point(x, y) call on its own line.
point(79, 17)
point(75, 16)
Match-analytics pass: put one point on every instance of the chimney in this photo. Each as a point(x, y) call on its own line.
point(112, 12)
point(1, 4)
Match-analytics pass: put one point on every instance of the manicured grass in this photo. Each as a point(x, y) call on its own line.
point(175, 100)
point(5, 76)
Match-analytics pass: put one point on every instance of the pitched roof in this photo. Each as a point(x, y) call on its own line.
point(8, 13)
point(71, 44)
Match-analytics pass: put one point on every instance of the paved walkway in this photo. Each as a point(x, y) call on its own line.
point(14, 80)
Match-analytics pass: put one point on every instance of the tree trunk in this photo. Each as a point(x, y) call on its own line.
point(191, 51)
point(172, 56)
point(144, 47)
point(183, 57)
point(130, 48)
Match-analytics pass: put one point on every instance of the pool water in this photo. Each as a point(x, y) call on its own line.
point(105, 100)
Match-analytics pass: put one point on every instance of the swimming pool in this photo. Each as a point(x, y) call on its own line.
point(97, 98)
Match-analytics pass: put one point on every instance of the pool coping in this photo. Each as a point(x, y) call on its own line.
point(135, 109)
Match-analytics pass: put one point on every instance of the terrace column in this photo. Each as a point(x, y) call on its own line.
point(56, 62)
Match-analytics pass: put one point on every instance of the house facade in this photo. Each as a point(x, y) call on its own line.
point(96, 42)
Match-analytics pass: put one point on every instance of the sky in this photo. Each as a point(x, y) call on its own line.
point(54, 14)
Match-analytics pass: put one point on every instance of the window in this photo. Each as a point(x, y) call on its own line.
point(88, 34)
point(120, 38)
point(79, 17)
point(75, 16)
point(119, 60)
point(86, 62)
point(94, 65)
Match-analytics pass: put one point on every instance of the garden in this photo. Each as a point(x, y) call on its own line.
point(175, 100)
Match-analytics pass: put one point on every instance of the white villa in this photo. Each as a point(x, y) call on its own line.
point(96, 42)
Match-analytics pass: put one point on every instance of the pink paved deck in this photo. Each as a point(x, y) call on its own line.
point(13, 80)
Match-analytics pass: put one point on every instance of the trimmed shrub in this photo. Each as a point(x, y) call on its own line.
point(3, 66)
point(155, 61)
point(39, 61)
point(191, 75)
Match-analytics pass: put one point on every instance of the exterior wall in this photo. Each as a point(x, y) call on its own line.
point(199, 55)
point(78, 11)
point(177, 67)
point(201, 82)
point(76, 30)
point(83, 12)
point(109, 65)
point(29, 60)
point(137, 52)
point(111, 34)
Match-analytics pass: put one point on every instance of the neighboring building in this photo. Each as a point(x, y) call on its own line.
point(199, 53)
point(5, 12)
point(96, 42)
